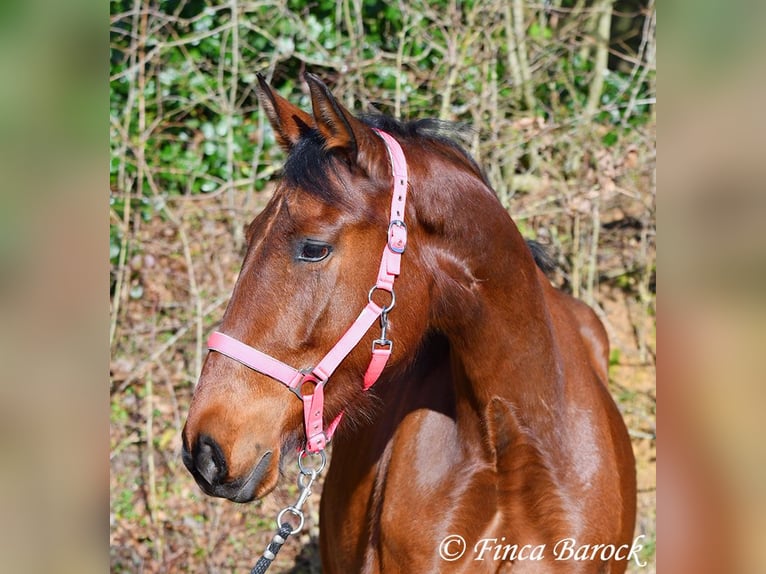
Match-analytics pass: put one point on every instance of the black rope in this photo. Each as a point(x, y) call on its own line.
point(271, 551)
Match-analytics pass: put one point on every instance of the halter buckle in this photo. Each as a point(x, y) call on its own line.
point(397, 236)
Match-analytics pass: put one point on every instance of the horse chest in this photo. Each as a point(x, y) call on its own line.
point(421, 488)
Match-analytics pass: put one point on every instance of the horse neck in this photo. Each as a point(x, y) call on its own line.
point(490, 300)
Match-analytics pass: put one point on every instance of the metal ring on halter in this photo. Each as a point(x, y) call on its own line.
point(308, 470)
point(295, 512)
point(307, 376)
point(390, 305)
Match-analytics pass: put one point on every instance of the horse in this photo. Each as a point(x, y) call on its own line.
point(489, 442)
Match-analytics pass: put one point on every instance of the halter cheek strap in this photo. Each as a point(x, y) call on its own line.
point(390, 263)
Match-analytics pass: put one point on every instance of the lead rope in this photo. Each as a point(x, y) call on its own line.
point(306, 479)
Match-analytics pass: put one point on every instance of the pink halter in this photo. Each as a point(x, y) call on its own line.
point(294, 379)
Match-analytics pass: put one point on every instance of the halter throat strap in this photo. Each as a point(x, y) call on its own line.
point(317, 436)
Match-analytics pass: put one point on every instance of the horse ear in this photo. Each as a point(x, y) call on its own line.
point(339, 128)
point(288, 121)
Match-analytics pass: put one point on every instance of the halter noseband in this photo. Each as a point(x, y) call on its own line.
point(294, 379)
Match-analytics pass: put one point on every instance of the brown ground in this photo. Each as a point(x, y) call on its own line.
point(160, 521)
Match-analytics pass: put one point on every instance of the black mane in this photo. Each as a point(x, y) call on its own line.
point(308, 163)
point(542, 256)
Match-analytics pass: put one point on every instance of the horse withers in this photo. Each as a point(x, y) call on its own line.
point(489, 441)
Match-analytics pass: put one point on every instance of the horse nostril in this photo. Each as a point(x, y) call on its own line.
point(209, 461)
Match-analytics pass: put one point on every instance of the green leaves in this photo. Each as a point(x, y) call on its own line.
point(182, 96)
point(538, 32)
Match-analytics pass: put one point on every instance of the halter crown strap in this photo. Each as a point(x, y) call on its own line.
point(397, 230)
point(390, 266)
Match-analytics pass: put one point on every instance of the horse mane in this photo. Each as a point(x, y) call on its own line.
point(308, 163)
point(450, 134)
point(542, 256)
point(430, 130)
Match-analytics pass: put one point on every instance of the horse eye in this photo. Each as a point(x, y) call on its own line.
point(313, 251)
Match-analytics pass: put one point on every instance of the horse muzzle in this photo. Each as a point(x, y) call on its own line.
point(207, 464)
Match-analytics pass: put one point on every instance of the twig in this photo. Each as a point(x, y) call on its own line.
point(166, 376)
point(593, 259)
point(236, 230)
point(601, 58)
point(149, 56)
point(193, 286)
point(121, 177)
point(519, 29)
point(151, 498)
point(141, 369)
point(641, 434)
point(644, 295)
point(575, 282)
point(513, 57)
point(644, 60)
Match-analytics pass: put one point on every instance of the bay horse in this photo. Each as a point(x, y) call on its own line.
point(490, 438)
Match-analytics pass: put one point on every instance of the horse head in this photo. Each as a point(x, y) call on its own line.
point(312, 257)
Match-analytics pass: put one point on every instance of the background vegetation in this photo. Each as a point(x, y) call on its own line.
point(561, 96)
